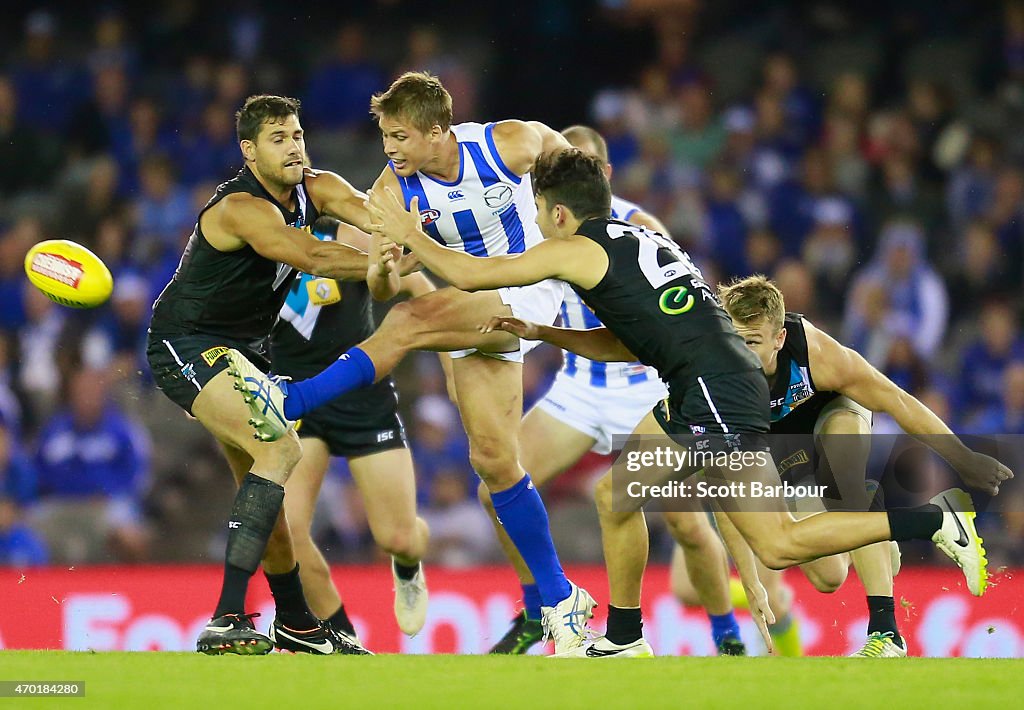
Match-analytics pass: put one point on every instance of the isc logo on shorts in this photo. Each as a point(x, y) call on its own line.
point(383, 436)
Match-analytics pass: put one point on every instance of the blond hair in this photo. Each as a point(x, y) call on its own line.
point(578, 134)
point(417, 97)
point(752, 300)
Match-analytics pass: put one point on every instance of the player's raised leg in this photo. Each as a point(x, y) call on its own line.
point(388, 486)
point(490, 402)
point(547, 447)
point(442, 321)
point(780, 541)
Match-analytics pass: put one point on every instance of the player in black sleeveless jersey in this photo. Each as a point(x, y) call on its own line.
point(226, 293)
point(822, 399)
point(320, 320)
point(658, 310)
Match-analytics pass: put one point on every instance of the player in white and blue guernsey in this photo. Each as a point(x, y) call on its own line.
point(461, 213)
point(594, 406)
point(470, 186)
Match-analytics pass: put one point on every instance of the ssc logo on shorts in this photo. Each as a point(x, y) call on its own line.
point(214, 354)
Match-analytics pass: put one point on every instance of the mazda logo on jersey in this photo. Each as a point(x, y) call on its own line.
point(498, 195)
point(429, 216)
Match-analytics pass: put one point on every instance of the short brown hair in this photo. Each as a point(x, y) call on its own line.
point(418, 97)
point(754, 299)
point(572, 178)
point(585, 134)
point(263, 108)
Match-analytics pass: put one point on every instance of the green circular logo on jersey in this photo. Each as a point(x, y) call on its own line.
point(671, 299)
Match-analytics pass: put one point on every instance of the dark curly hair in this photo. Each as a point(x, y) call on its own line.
point(572, 178)
point(260, 109)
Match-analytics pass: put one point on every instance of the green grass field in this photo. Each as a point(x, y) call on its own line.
point(184, 680)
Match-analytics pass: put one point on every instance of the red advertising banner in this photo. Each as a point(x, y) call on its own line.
point(164, 607)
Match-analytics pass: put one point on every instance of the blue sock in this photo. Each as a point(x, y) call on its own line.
point(522, 514)
point(723, 627)
point(531, 601)
point(351, 371)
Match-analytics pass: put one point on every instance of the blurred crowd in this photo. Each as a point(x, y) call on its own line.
point(875, 174)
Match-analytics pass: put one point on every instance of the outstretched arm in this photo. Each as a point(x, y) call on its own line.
point(743, 557)
point(574, 259)
point(337, 197)
point(241, 219)
point(382, 278)
point(839, 369)
point(598, 344)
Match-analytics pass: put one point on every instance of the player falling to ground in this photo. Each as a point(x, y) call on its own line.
point(238, 265)
point(589, 404)
point(657, 308)
point(321, 318)
point(471, 184)
point(821, 388)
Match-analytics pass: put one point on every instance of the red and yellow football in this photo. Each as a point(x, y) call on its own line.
point(69, 274)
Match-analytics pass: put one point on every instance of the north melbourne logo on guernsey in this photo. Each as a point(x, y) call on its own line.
point(59, 268)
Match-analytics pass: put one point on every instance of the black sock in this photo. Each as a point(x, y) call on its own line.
point(405, 572)
point(289, 601)
point(624, 625)
point(253, 515)
point(918, 523)
point(232, 594)
point(339, 621)
point(882, 618)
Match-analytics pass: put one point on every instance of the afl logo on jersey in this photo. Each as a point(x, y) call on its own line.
point(497, 196)
point(429, 216)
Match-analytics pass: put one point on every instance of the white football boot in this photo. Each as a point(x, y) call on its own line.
point(959, 539)
point(880, 645)
point(603, 648)
point(263, 394)
point(410, 601)
point(566, 622)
